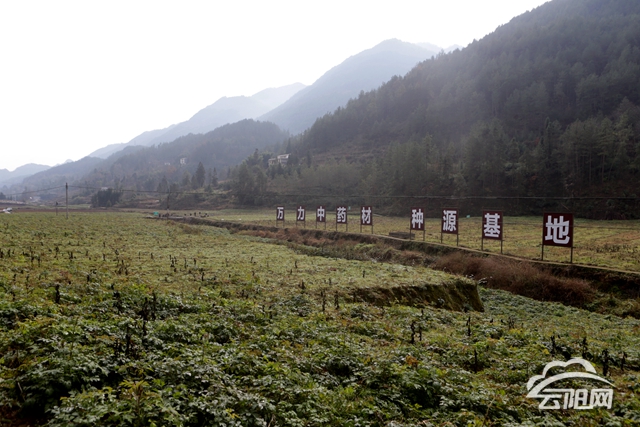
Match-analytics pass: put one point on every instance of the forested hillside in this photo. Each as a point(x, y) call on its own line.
point(228, 110)
point(18, 174)
point(58, 175)
point(225, 110)
point(365, 71)
point(184, 161)
point(547, 105)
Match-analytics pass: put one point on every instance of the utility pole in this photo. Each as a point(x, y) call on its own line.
point(66, 190)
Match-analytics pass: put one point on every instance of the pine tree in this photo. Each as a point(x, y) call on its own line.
point(200, 176)
point(163, 187)
point(214, 178)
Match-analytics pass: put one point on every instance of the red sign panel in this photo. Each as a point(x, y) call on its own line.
point(417, 219)
point(557, 229)
point(341, 215)
point(321, 214)
point(300, 213)
point(492, 225)
point(450, 221)
point(280, 213)
point(366, 218)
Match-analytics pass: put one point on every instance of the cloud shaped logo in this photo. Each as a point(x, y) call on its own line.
point(541, 387)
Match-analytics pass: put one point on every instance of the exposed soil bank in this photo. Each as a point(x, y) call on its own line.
point(458, 296)
point(571, 284)
point(605, 279)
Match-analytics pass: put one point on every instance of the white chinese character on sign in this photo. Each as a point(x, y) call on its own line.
point(280, 213)
point(300, 216)
point(417, 219)
point(366, 215)
point(554, 397)
point(582, 399)
point(341, 214)
point(449, 220)
point(601, 397)
point(320, 214)
point(491, 226)
point(557, 230)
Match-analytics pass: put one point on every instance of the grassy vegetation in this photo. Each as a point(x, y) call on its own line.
point(614, 244)
point(597, 290)
point(113, 319)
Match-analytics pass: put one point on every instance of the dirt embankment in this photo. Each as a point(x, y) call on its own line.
point(459, 295)
point(596, 289)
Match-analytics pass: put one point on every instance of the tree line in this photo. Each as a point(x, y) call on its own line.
point(546, 106)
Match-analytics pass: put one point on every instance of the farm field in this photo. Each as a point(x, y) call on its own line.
point(613, 244)
point(114, 319)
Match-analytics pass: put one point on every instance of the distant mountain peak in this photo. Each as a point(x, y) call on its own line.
point(364, 71)
point(438, 49)
point(274, 96)
point(20, 173)
point(430, 46)
point(453, 47)
point(227, 109)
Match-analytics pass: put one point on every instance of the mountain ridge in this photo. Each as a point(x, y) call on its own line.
point(10, 177)
point(547, 106)
point(333, 79)
point(363, 71)
point(223, 111)
point(230, 110)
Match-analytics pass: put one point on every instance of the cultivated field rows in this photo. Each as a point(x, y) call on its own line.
point(114, 319)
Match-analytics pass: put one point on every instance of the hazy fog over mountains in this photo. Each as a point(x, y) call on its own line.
point(143, 139)
point(14, 177)
point(433, 47)
point(362, 72)
point(230, 110)
point(224, 110)
point(58, 175)
point(546, 106)
point(293, 108)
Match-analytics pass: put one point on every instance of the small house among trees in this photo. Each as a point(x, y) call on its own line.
point(281, 160)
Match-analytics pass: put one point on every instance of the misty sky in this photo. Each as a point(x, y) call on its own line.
point(79, 75)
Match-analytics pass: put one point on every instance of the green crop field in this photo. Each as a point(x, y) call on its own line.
point(112, 319)
point(613, 244)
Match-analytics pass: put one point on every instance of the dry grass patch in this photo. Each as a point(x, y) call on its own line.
point(521, 278)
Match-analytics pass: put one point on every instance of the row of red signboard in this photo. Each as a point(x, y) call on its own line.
point(557, 227)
